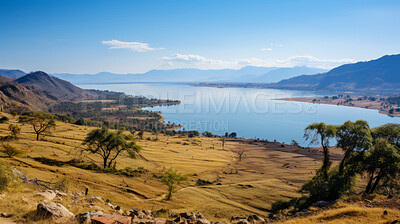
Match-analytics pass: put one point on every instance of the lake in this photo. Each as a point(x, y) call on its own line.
point(248, 112)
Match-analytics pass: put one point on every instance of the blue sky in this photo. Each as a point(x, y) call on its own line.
point(88, 36)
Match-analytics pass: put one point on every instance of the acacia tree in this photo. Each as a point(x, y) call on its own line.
point(109, 145)
point(170, 178)
point(41, 122)
point(355, 139)
point(390, 131)
point(321, 133)
point(382, 161)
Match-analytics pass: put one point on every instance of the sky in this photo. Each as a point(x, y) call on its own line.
point(129, 36)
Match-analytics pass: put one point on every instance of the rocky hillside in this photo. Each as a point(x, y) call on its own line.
point(37, 91)
point(51, 85)
point(382, 74)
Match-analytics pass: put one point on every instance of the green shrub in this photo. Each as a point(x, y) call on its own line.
point(11, 150)
point(321, 189)
point(14, 131)
point(4, 119)
point(279, 206)
point(6, 177)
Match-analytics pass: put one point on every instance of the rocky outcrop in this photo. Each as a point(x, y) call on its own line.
point(53, 210)
point(86, 217)
point(111, 219)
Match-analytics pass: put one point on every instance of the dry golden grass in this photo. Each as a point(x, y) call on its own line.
point(350, 214)
point(268, 172)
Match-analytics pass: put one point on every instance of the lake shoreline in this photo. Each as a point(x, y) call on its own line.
point(365, 104)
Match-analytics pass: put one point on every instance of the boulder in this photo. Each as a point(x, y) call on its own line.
point(53, 210)
point(111, 219)
point(86, 217)
point(256, 219)
point(60, 193)
point(93, 199)
point(167, 212)
point(202, 221)
point(188, 215)
point(243, 221)
point(49, 194)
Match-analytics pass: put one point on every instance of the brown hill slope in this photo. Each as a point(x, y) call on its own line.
point(59, 88)
point(37, 91)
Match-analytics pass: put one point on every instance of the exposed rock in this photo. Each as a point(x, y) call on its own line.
point(111, 206)
point(167, 212)
point(202, 221)
point(5, 215)
point(256, 219)
point(51, 209)
point(93, 199)
point(48, 194)
point(243, 221)
point(322, 203)
point(188, 215)
point(111, 219)
point(60, 193)
point(86, 217)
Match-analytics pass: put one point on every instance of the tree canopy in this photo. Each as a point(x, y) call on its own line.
point(321, 133)
point(109, 145)
point(41, 122)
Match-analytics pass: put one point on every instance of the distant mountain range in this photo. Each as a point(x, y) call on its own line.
point(245, 74)
point(382, 74)
point(12, 73)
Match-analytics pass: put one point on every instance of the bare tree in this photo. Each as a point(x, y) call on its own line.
point(240, 154)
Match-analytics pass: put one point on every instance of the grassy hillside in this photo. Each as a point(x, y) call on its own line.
point(267, 172)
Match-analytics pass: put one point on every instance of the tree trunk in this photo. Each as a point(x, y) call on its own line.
point(378, 178)
point(342, 163)
point(37, 136)
point(170, 189)
point(369, 185)
point(325, 165)
point(104, 163)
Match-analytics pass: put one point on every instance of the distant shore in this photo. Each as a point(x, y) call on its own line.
point(374, 103)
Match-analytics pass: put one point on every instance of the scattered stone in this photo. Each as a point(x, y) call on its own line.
point(188, 215)
point(51, 209)
point(86, 217)
point(111, 205)
point(60, 193)
point(111, 219)
point(243, 221)
point(255, 219)
point(93, 199)
point(5, 215)
point(49, 194)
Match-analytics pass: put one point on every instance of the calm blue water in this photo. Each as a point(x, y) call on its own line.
point(248, 112)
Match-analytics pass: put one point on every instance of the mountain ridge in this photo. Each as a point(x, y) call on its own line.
point(37, 91)
point(382, 74)
point(186, 75)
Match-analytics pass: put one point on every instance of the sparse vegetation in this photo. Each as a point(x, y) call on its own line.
point(109, 145)
point(171, 178)
point(4, 119)
point(41, 122)
point(11, 151)
point(6, 177)
point(375, 152)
